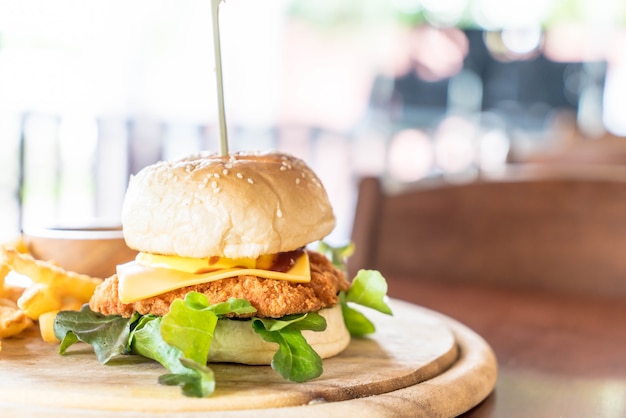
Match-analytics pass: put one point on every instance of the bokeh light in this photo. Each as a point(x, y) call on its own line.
point(411, 155)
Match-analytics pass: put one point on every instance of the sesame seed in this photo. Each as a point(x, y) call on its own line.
point(214, 184)
point(216, 175)
point(225, 172)
point(279, 213)
point(250, 181)
point(297, 180)
point(239, 175)
point(283, 168)
point(201, 185)
point(216, 190)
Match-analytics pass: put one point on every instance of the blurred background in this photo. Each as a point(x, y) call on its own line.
point(91, 91)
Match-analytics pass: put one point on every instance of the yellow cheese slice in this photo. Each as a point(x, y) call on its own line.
point(137, 281)
point(194, 265)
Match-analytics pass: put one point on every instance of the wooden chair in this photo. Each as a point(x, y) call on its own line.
point(547, 228)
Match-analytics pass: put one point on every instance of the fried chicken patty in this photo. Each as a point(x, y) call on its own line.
point(271, 298)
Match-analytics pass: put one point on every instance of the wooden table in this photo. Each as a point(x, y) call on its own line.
point(558, 355)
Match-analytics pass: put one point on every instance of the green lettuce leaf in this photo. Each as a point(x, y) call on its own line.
point(146, 341)
point(107, 334)
point(232, 305)
point(357, 324)
point(295, 359)
point(189, 329)
point(311, 321)
point(190, 324)
point(69, 340)
point(368, 289)
point(198, 384)
point(181, 341)
point(337, 255)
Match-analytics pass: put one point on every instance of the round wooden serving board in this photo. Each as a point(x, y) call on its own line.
point(417, 362)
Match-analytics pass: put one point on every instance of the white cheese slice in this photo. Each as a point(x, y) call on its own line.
point(137, 281)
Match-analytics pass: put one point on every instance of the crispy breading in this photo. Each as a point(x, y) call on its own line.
point(271, 298)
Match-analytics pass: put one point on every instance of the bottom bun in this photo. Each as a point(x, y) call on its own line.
point(237, 342)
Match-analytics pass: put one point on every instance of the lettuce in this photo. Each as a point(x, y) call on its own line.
point(199, 384)
point(146, 341)
point(107, 334)
point(337, 255)
point(188, 329)
point(368, 289)
point(295, 359)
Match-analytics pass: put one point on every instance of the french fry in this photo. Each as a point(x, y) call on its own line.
point(71, 304)
point(46, 319)
point(38, 299)
point(12, 321)
point(11, 292)
point(4, 270)
point(53, 288)
point(8, 303)
point(17, 244)
point(65, 283)
point(46, 326)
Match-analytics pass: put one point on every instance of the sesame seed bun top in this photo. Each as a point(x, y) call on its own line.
point(240, 205)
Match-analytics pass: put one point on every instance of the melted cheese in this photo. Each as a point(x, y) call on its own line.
point(138, 281)
point(194, 265)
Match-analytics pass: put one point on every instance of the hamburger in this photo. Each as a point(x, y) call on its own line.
point(224, 273)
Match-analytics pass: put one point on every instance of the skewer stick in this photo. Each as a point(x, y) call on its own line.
point(218, 74)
